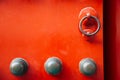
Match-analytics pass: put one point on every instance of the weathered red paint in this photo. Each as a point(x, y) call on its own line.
point(38, 29)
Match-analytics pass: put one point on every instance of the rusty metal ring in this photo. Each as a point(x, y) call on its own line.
point(93, 33)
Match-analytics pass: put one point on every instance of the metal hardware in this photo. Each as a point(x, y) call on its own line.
point(53, 66)
point(87, 33)
point(18, 66)
point(87, 66)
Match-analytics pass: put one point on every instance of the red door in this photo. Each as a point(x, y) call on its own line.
point(51, 40)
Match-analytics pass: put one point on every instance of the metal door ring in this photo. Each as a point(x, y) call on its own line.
point(93, 33)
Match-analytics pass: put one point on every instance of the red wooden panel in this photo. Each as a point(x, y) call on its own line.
point(112, 39)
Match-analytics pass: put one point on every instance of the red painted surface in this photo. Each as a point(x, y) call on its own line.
point(36, 30)
point(112, 40)
point(118, 40)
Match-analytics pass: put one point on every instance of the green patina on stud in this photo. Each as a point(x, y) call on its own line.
point(87, 66)
point(53, 66)
point(18, 66)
